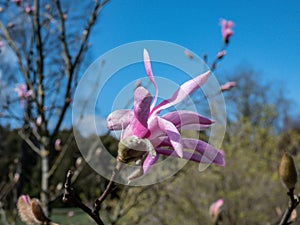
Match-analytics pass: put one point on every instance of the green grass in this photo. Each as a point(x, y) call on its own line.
point(64, 217)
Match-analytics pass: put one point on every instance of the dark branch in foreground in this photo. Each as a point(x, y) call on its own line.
point(294, 202)
point(70, 196)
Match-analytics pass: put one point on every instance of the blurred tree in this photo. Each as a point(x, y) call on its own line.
point(260, 102)
point(44, 44)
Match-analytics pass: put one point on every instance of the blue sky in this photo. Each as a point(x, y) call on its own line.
point(266, 38)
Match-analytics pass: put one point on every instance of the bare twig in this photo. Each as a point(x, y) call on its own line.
point(30, 143)
point(71, 66)
point(70, 197)
point(108, 189)
point(294, 202)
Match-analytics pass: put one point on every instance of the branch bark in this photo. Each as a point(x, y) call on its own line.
point(294, 202)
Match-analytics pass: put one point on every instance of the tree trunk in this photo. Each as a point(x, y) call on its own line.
point(44, 180)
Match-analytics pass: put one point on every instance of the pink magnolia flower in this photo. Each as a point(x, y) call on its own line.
point(215, 209)
point(143, 127)
point(227, 86)
point(226, 29)
point(23, 93)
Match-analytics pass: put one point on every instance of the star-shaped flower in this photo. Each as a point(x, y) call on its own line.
point(147, 134)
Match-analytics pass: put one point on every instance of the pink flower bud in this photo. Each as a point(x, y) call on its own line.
point(221, 54)
point(23, 93)
point(226, 30)
point(188, 54)
point(227, 86)
point(16, 177)
point(215, 210)
point(57, 144)
point(29, 9)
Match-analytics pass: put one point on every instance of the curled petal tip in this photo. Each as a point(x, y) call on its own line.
point(146, 55)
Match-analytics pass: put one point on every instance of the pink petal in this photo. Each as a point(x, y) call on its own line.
point(188, 120)
point(26, 199)
point(119, 119)
point(172, 133)
point(186, 155)
point(149, 162)
point(149, 72)
point(184, 90)
point(211, 154)
point(207, 153)
point(155, 132)
point(221, 54)
point(142, 101)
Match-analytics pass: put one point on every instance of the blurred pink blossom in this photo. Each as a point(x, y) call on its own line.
point(227, 86)
point(226, 29)
point(29, 9)
point(23, 93)
point(221, 54)
point(1, 44)
point(215, 209)
point(188, 54)
point(57, 144)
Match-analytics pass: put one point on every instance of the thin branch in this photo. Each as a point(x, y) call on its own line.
point(39, 62)
point(70, 197)
point(13, 46)
point(108, 189)
point(72, 66)
point(30, 143)
point(294, 202)
point(60, 157)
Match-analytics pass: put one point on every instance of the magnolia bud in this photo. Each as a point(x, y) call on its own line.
point(215, 210)
point(38, 211)
point(188, 54)
point(57, 144)
point(78, 162)
point(287, 171)
point(25, 212)
point(133, 148)
point(59, 186)
point(31, 212)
